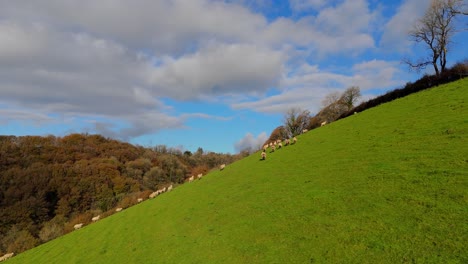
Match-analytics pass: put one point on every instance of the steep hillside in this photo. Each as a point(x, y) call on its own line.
point(387, 185)
point(49, 184)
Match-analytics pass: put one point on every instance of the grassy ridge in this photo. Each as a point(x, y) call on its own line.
point(388, 185)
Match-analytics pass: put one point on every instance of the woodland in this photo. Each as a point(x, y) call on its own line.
point(49, 184)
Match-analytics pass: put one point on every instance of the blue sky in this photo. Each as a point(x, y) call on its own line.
point(195, 73)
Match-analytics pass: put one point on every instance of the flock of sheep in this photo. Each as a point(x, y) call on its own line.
point(94, 219)
point(151, 196)
point(278, 144)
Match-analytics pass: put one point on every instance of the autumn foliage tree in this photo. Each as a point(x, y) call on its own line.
point(48, 184)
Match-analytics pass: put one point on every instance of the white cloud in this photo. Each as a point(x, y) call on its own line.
point(375, 74)
point(395, 34)
point(23, 116)
point(250, 143)
point(16, 41)
point(218, 70)
point(304, 98)
point(304, 5)
point(70, 72)
point(115, 60)
point(335, 30)
point(307, 85)
point(161, 26)
point(350, 17)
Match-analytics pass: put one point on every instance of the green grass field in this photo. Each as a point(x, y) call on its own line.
point(388, 185)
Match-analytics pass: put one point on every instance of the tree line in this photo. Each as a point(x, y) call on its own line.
point(48, 184)
point(337, 105)
point(435, 30)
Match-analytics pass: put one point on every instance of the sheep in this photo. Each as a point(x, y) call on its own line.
point(169, 188)
point(222, 166)
point(265, 147)
point(286, 142)
point(94, 219)
point(263, 155)
point(200, 175)
point(140, 200)
point(78, 226)
point(280, 145)
point(304, 131)
point(273, 148)
point(294, 140)
point(323, 123)
point(118, 209)
point(6, 256)
point(191, 178)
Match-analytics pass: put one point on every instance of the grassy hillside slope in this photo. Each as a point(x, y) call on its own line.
point(388, 185)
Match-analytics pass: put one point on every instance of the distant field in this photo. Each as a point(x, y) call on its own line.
point(388, 185)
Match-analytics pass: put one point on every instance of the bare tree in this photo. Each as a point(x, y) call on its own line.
point(335, 104)
point(331, 112)
point(295, 120)
point(350, 96)
point(460, 9)
point(435, 29)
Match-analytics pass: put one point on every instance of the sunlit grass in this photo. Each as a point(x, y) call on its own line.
point(388, 185)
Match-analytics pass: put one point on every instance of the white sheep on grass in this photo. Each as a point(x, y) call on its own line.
point(6, 256)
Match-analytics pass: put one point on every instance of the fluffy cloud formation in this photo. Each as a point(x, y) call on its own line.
point(22, 116)
point(218, 70)
point(251, 143)
point(126, 64)
point(160, 26)
point(302, 5)
point(396, 29)
point(308, 85)
point(336, 29)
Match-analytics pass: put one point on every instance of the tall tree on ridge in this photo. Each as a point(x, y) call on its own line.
point(435, 29)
